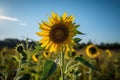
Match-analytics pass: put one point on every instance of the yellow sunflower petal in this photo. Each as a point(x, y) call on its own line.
point(51, 20)
point(67, 47)
point(47, 24)
point(69, 19)
point(49, 44)
point(44, 39)
point(57, 19)
point(44, 27)
point(52, 47)
point(42, 33)
point(55, 48)
point(64, 16)
point(45, 44)
point(53, 15)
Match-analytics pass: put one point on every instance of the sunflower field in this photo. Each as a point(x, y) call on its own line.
point(59, 55)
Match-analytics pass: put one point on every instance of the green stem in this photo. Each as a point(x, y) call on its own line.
point(18, 70)
point(90, 71)
point(116, 73)
point(62, 64)
point(90, 74)
point(71, 67)
point(5, 76)
point(68, 65)
point(84, 74)
point(15, 78)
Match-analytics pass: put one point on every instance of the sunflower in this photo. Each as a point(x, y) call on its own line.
point(70, 54)
point(34, 58)
point(108, 52)
point(57, 32)
point(19, 48)
point(92, 51)
point(100, 50)
point(46, 54)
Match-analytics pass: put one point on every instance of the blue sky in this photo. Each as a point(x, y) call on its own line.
point(98, 19)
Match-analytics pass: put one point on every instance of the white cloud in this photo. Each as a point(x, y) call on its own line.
point(13, 19)
point(8, 18)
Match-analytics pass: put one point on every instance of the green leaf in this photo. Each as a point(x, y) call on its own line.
point(39, 48)
point(25, 77)
point(86, 63)
point(78, 32)
point(49, 67)
point(77, 40)
point(16, 58)
point(76, 26)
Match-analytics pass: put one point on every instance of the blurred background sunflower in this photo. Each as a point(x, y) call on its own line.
point(19, 48)
point(46, 54)
point(108, 53)
point(34, 58)
point(92, 51)
point(70, 54)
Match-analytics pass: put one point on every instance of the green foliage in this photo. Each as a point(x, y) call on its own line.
point(25, 77)
point(16, 58)
point(12, 65)
point(38, 48)
point(49, 67)
point(77, 40)
point(78, 32)
point(86, 63)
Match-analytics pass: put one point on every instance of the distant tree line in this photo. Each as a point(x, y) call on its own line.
point(11, 43)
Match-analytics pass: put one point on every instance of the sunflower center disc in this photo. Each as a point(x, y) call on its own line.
point(46, 53)
point(93, 50)
point(58, 33)
point(73, 54)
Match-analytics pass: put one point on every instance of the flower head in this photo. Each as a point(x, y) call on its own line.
point(70, 54)
point(34, 58)
point(46, 54)
point(108, 52)
point(92, 51)
point(100, 50)
point(58, 32)
point(19, 48)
